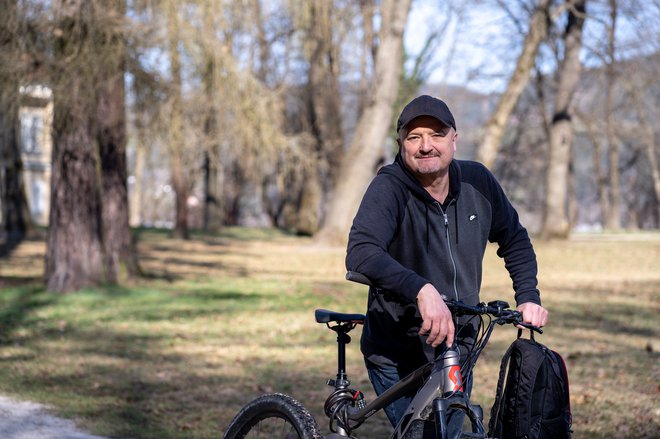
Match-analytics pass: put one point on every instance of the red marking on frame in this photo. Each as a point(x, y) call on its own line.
point(456, 378)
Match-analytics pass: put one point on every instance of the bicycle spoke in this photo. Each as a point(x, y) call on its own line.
point(274, 428)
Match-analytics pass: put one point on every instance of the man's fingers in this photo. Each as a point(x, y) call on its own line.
point(534, 314)
point(433, 335)
point(450, 334)
point(436, 317)
point(442, 329)
point(440, 334)
point(426, 327)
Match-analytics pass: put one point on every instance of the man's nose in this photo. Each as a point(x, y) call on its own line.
point(426, 143)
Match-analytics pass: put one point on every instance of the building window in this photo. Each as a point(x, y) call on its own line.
point(32, 126)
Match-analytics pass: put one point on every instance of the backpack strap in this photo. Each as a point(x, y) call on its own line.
point(497, 405)
point(563, 372)
point(531, 334)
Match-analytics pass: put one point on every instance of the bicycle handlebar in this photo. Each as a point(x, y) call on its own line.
point(498, 308)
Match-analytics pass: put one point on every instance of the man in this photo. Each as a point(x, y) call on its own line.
point(421, 231)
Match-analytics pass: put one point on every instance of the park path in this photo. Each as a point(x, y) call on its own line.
point(29, 420)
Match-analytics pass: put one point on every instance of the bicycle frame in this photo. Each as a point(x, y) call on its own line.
point(429, 381)
point(433, 397)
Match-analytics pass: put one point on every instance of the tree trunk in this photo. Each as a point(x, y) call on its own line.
point(324, 91)
point(368, 52)
point(599, 177)
point(494, 130)
point(367, 147)
point(179, 181)
point(555, 223)
point(651, 151)
point(14, 213)
point(324, 110)
point(74, 255)
point(136, 198)
point(613, 218)
point(213, 211)
point(120, 259)
point(648, 144)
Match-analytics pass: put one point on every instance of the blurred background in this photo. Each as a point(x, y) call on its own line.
point(203, 114)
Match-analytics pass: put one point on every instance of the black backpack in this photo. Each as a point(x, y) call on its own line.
point(535, 402)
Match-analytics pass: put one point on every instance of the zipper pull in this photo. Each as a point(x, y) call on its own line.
point(446, 220)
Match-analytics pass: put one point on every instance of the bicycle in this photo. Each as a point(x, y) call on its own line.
point(438, 385)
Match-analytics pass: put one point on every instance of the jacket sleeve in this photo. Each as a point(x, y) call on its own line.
point(514, 245)
point(374, 227)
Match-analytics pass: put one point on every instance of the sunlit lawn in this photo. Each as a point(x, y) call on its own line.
point(220, 320)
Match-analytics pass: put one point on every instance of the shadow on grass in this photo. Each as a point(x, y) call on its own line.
point(630, 318)
point(102, 356)
point(18, 281)
point(113, 379)
point(7, 246)
point(216, 239)
point(17, 304)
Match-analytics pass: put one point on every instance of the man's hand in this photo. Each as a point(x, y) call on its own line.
point(436, 317)
point(533, 314)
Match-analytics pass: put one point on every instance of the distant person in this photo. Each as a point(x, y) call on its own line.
point(421, 231)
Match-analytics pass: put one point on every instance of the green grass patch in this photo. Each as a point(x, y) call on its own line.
point(219, 320)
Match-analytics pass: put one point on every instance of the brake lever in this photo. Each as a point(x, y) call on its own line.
point(530, 326)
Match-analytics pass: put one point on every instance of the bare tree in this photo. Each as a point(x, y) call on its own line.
point(368, 50)
point(14, 214)
point(74, 256)
point(366, 147)
point(621, 84)
point(600, 178)
point(213, 210)
point(145, 108)
point(324, 113)
point(175, 132)
point(650, 150)
point(555, 222)
point(494, 130)
point(613, 216)
point(120, 258)
point(635, 84)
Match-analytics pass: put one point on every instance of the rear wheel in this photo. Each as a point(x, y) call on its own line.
point(273, 416)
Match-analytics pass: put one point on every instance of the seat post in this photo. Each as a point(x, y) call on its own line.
point(342, 340)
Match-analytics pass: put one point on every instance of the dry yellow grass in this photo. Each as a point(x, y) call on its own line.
point(221, 320)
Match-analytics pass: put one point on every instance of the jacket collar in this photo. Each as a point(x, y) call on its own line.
point(401, 171)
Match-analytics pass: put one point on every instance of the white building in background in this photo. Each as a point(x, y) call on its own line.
point(36, 140)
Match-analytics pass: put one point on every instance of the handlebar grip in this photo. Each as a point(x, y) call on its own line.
point(360, 278)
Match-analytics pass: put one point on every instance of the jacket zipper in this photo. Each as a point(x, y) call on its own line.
point(449, 248)
point(453, 263)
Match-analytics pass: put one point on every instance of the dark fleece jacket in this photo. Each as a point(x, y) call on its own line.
point(402, 238)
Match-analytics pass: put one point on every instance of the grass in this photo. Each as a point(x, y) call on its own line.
point(220, 320)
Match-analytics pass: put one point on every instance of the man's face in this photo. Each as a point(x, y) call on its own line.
point(428, 147)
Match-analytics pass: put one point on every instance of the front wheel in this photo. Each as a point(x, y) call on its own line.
point(274, 416)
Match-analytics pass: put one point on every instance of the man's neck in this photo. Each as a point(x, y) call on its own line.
point(437, 187)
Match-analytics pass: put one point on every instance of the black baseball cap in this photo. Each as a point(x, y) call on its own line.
point(425, 105)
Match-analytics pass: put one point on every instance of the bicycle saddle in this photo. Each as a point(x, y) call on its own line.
point(326, 316)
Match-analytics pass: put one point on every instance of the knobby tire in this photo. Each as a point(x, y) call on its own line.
point(273, 416)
